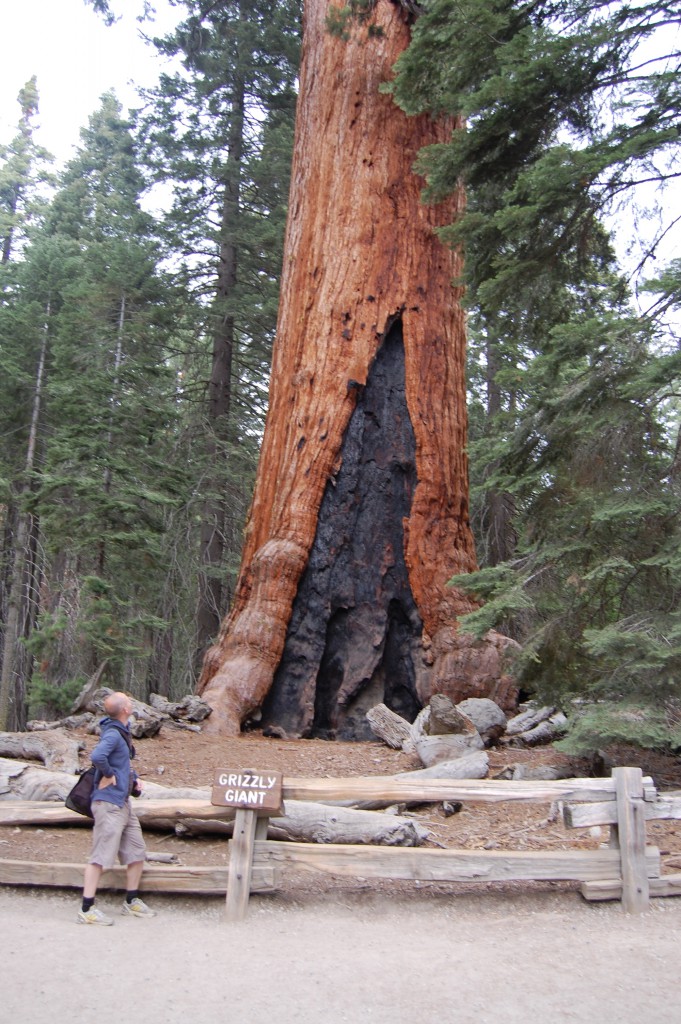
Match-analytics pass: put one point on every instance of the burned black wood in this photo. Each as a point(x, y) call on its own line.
point(354, 636)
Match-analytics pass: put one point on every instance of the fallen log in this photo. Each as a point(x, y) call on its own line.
point(527, 720)
point(417, 730)
point(304, 822)
point(152, 857)
point(388, 726)
point(474, 765)
point(85, 721)
point(188, 811)
point(23, 784)
point(301, 821)
point(22, 781)
point(54, 748)
point(471, 766)
point(191, 708)
point(177, 724)
point(153, 814)
point(82, 701)
point(144, 722)
point(545, 732)
point(541, 771)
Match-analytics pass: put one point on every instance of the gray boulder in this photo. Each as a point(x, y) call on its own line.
point(486, 716)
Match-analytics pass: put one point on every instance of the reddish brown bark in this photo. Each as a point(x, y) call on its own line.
point(360, 253)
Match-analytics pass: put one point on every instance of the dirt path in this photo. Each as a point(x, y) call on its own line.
point(356, 957)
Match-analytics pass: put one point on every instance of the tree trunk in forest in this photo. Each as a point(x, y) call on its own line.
point(23, 562)
point(498, 525)
point(160, 667)
point(360, 511)
point(113, 399)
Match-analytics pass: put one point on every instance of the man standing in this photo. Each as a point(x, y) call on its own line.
point(116, 830)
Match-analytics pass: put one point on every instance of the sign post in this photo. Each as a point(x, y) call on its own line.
point(256, 795)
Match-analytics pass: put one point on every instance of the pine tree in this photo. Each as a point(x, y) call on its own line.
point(22, 167)
point(107, 477)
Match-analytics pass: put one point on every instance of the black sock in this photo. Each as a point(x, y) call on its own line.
point(131, 895)
point(87, 903)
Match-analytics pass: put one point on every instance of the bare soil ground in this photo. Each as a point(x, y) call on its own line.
point(334, 950)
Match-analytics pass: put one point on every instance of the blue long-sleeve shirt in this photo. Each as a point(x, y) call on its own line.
point(110, 757)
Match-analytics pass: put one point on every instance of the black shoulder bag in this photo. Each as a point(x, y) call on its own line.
point(80, 797)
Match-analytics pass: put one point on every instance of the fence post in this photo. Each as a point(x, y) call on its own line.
point(631, 829)
point(240, 865)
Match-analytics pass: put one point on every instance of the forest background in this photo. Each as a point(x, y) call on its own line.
point(135, 348)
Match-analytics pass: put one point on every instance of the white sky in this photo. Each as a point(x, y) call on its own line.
point(76, 58)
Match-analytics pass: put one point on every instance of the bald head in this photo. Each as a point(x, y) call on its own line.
point(118, 705)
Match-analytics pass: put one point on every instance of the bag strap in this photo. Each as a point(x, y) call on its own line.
point(128, 740)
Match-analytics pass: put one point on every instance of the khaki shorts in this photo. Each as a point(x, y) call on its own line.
point(116, 832)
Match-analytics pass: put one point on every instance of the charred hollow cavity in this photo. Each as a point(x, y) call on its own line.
point(354, 635)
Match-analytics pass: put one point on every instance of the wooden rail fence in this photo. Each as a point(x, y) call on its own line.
point(626, 869)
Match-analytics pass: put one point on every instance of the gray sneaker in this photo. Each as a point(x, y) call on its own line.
point(137, 908)
point(93, 916)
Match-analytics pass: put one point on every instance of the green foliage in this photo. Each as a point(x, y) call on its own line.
point(110, 624)
point(564, 119)
point(51, 700)
point(598, 725)
point(593, 591)
point(220, 132)
point(44, 641)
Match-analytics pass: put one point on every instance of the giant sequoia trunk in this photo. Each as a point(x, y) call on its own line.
point(360, 511)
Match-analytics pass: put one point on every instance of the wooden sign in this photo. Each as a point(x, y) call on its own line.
point(248, 790)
